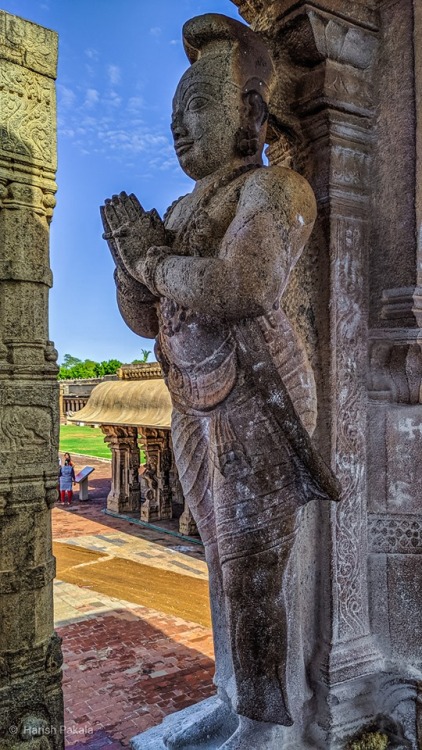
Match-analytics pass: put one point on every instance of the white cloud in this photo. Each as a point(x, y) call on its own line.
point(135, 104)
point(90, 70)
point(117, 131)
point(92, 53)
point(174, 41)
point(112, 99)
point(67, 132)
point(155, 31)
point(92, 97)
point(114, 74)
point(66, 97)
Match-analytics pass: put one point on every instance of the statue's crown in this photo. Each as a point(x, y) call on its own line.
point(213, 33)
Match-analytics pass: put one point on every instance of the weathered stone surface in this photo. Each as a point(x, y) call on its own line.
point(344, 111)
point(154, 739)
point(352, 74)
point(31, 713)
point(209, 279)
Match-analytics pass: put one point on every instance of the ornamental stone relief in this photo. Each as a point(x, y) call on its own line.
point(27, 107)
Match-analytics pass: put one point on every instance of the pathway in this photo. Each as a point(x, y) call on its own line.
point(131, 606)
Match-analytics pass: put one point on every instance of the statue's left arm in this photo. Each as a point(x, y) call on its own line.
point(274, 219)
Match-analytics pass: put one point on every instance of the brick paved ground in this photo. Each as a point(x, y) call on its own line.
point(126, 665)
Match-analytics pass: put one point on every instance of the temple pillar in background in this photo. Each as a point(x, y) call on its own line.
point(125, 493)
point(157, 505)
point(31, 704)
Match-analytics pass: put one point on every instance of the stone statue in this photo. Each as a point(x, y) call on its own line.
point(207, 283)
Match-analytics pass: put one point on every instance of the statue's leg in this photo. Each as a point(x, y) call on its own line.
point(191, 449)
point(257, 500)
point(257, 616)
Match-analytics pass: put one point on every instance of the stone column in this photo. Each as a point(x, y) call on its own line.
point(125, 493)
point(62, 411)
point(395, 415)
point(352, 72)
point(161, 481)
point(30, 654)
point(325, 55)
point(156, 478)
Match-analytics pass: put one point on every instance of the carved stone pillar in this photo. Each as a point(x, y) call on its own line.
point(125, 493)
point(62, 411)
point(325, 54)
point(30, 654)
point(157, 505)
point(395, 378)
point(161, 481)
point(352, 72)
point(187, 523)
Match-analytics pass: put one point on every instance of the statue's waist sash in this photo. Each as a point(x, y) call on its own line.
point(203, 386)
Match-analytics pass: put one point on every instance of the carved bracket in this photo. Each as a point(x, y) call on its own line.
point(396, 365)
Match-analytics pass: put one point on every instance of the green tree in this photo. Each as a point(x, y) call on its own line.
point(108, 367)
point(76, 369)
point(145, 354)
point(69, 361)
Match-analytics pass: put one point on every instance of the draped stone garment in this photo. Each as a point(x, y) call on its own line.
point(245, 491)
point(245, 487)
point(243, 482)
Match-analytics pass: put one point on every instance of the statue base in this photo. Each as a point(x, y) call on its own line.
point(153, 738)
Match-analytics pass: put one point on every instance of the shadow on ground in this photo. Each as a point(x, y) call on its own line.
point(124, 675)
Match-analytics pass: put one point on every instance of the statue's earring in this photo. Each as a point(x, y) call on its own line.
point(247, 141)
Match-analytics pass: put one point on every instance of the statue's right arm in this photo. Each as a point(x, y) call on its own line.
point(274, 218)
point(136, 304)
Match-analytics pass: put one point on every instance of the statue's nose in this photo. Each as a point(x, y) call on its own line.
point(178, 127)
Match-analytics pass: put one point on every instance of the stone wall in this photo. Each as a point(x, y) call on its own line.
point(350, 89)
point(30, 655)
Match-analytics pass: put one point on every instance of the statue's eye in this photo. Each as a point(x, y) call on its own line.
point(196, 102)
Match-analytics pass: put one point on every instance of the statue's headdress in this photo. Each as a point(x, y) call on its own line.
point(253, 70)
point(214, 34)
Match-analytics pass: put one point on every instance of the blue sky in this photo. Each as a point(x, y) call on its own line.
point(119, 63)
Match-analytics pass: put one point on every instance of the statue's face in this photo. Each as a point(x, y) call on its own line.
point(207, 110)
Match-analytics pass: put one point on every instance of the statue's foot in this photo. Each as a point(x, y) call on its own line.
point(205, 727)
point(253, 734)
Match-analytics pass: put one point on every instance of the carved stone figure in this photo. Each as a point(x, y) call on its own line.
point(207, 283)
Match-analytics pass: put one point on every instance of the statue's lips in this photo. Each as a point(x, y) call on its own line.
point(181, 147)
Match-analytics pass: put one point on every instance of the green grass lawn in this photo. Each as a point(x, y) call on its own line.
point(86, 440)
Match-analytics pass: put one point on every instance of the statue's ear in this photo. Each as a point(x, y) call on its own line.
point(254, 116)
point(256, 109)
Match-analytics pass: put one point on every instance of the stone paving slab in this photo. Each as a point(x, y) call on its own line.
point(88, 517)
point(138, 549)
point(170, 591)
point(126, 666)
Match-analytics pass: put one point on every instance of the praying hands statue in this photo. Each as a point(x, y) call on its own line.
point(207, 283)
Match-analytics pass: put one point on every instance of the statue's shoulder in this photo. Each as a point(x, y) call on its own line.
point(279, 189)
